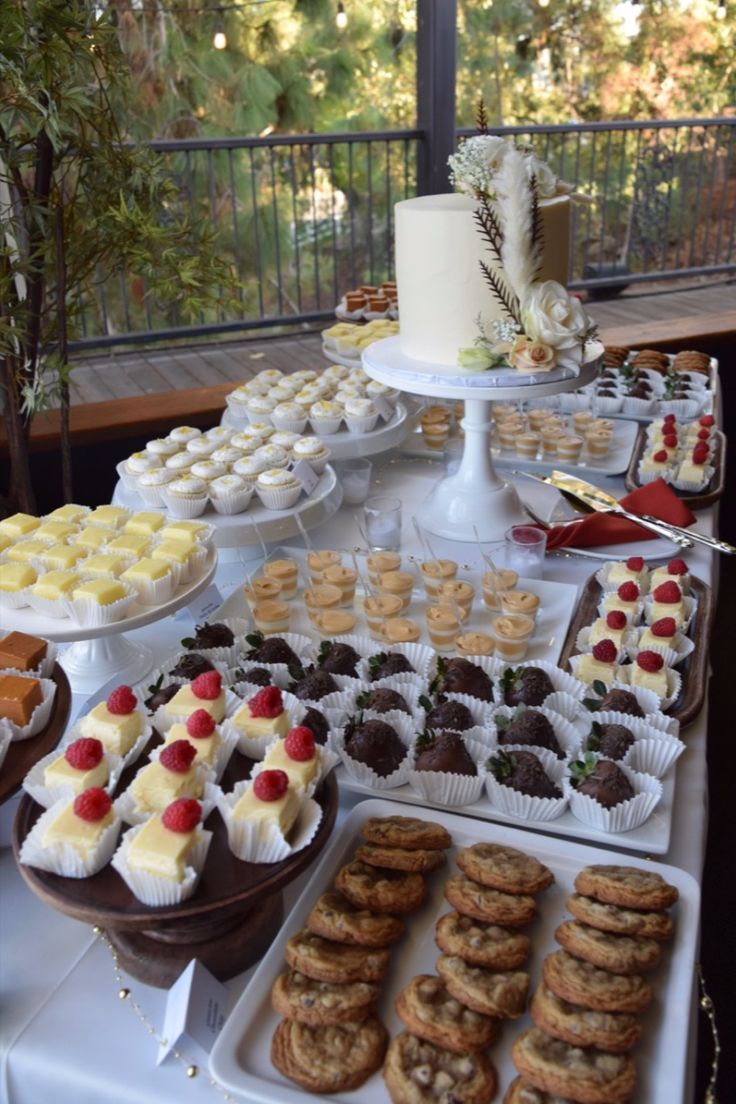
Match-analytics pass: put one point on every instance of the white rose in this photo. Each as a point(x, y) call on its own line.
point(551, 315)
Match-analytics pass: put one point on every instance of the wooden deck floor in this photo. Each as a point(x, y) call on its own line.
point(145, 372)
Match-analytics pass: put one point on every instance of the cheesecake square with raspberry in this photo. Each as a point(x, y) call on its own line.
point(82, 765)
point(201, 732)
point(297, 756)
point(117, 722)
point(204, 692)
point(163, 844)
point(270, 799)
point(649, 672)
point(81, 823)
point(630, 570)
point(263, 716)
point(172, 775)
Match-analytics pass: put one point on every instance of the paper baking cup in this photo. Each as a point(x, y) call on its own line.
point(158, 892)
point(568, 735)
point(565, 705)
point(13, 599)
point(92, 615)
point(672, 656)
point(151, 495)
point(127, 478)
point(62, 858)
point(164, 719)
point(621, 818)
point(126, 760)
point(481, 711)
point(562, 683)
point(444, 788)
point(236, 502)
point(45, 666)
point(328, 760)
point(646, 477)
point(689, 610)
point(606, 404)
point(410, 689)
point(57, 608)
point(420, 656)
point(360, 425)
point(6, 739)
point(692, 487)
point(681, 408)
point(674, 684)
point(154, 592)
point(126, 809)
point(649, 760)
point(325, 427)
point(279, 498)
point(524, 806)
point(252, 746)
point(572, 401)
point(639, 408)
point(289, 423)
point(39, 717)
point(317, 463)
point(258, 842)
point(47, 796)
point(365, 775)
point(183, 506)
point(602, 577)
point(583, 644)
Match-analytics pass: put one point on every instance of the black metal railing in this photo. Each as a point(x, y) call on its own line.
point(303, 218)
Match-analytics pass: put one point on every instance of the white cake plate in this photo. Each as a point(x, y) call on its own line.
point(475, 498)
point(237, 530)
point(349, 446)
point(101, 652)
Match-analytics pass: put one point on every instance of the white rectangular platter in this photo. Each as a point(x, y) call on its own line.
point(240, 1059)
point(558, 601)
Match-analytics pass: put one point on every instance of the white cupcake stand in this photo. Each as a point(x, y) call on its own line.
point(475, 497)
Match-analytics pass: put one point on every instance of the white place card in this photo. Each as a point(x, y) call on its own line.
point(384, 407)
point(196, 1008)
point(204, 605)
point(306, 475)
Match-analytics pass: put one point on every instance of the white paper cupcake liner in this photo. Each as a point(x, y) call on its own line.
point(47, 796)
point(317, 463)
point(691, 486)
point(689, 610)
point(565, 705)
point(328, 760)
point(288, 423)
point(684, 647)
point(158, 892)
point(444, 788)
point(236, 502)
point(568, 736)
point(257, 842)
point(674, 684)
point(131, 756)
point(6, 739)
point(13, 599)
point(39, 717)
point(154, 592)
point(274, 498)
point(562, 682)
point(163, 718)
point(126, 809)
point(646, 477)
point(92, 615)
point(227, 655)
point(420, 656)
point(182, 506)
point(360, 425)
point(364, 774)
point(621, 818)
point(62, 858)
point(127, 478)
point(325, 427)
point(152, 495)
point(45, 666)
point(524, 806)
point(682, 408)
point(602, 577)
point(648, 759)
point(638, 407)
point(609, 404)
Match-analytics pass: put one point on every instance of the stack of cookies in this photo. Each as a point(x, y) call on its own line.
point(331, 1038)
point(453, 1018)
point(586, 1004)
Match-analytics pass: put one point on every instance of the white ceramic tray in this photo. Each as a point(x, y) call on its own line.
point(558, 602)
point(348, 446)
point(615, 463)
point(240, 1058)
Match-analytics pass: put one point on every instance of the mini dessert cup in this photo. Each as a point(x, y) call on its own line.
point(515, 602)
point(400, 630)
point(460, 593)
point(473, 644)
point(62, 858)
point(318, 561)
point(345, 578)
point(155, 891)
point(550, 438)
point(507, 432)
point(598, 443)
point(261, 842)
point(443, 627)
point(527, 445)
point(446, 788)
point(569, 448)
point(537, 417)
point(435, 573)
point(525, 806)
point(379, 562)
point(435, 432)
point(321, 597)
point(582, 421)
point(330, 623)
point(621, 818)
point(512, 633)
point(496, 583)
point(271, 616)
point(400, 584)
point(380, 608)
point(284, 571)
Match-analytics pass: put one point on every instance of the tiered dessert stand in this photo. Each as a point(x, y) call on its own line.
point(475, 498)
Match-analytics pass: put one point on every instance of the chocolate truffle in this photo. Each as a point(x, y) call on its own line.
point(313, 685)
point(460, 676)
point(388, 663)
point(523, 771)
point(606, 783)
point(382, 700)
point(257, 676)
point(271, 649)
point(621, 701)
point(375, 744)
point(159, 695)
point(339, 659)
point(528, 726)
point(317, 722)
point(215, 635)
point(450, 714)
point(526, 685)
point(444, 751)
point(612, 741)
point(191, 665)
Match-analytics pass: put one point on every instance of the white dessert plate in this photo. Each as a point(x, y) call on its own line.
point(558, 602)
point(338, 358)
point(240, 1059)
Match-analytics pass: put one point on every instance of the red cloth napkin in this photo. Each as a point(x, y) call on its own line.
point(656, 498)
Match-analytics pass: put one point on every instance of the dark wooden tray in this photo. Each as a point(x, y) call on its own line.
point(694, 669)
point(23, 754)
point(156, 944)
point(699, 501)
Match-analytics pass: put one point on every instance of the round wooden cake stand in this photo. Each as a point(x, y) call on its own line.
point(24, 754)
point(229, 921)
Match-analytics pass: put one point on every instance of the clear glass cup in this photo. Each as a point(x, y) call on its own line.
point(382, 517)
point(355, 476)
point(525, 549)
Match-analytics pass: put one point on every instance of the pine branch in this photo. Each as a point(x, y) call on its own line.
point(481, 118)
point(537, 242)
point(490, 227)
point(508, 301)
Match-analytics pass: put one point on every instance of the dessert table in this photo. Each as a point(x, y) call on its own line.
point(64, 1031)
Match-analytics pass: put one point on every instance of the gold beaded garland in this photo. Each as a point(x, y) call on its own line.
point(706, 1005)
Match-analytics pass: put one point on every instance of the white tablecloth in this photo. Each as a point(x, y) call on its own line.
point(64, 1033)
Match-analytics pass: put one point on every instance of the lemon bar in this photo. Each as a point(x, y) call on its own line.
point(56, 584)
point(116, 731)
point(24, 550)
point(147, 570)
point(19, 525)
point(54, 531)
point(282, 812)
point(130, 544)
point(92, 537)
point(109, 517)
point(5, 541)
point(105, 565)
point(173, 551)
point(102, 591)
point(82, 835)
point(71, 513)
point(159, 851)
point(16, 576)
point(154, 787)
point(187, 531)
point(62, 557)
point(147, 522)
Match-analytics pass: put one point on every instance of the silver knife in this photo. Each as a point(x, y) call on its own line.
point(603, 502)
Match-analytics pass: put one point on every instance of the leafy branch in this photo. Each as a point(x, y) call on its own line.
point(508, 301)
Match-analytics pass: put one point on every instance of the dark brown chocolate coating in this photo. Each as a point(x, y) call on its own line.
point(464, 677)
point(315, 685)
point(529, 777)
point(615, 741)
point(532, 685)
point(607, 784)
point(375, 744)
point(533, 728)
point(341, 659)
point(450, 714)
point(274, 650)
point(383, 700)
point(191, 665)
point(213, 635)
point(160, 697)
point(393, 663)
point(317, 722)
point(621, 701)
point(446, 752)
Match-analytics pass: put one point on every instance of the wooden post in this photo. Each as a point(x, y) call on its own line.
point(436, 62)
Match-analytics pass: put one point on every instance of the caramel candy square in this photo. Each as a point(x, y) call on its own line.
point(21, 651)
point(19, 696)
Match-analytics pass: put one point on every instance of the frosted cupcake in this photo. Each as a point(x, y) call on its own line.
point(139, 462)
point(220, 434)
point(161, 448)
point(248, 468)
point(245, 443)
point(183, 434)
point(278, 489)
point(230, 494)
point(325, 416)
point(270, 376)
point(360, 415)
point(180, 462)
point(186, 497)
point(390, 394)
point(290, 416)
point(227, 455)
point(208, 470)
point(152, 484)
point(259, 408)
point(313, 451)
point(272, 456)
point(285, 439)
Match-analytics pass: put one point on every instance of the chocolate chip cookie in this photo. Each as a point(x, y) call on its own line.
point(521, 1092)
point(480, 943)
point(417, 1071)
point(406, 832)
point(620, 921)
point(495, 993)
point(297, 997)
point(334, 917)
point(626, 886)
point(416, 861)
point(590, 1076)
point(483, 903)
point(622, 954)
point(428, 1010)
point(616, 1032)
point(504, 868)
point(371, 887)
point(335, 1058)
point(584, 984)
point(338, 963)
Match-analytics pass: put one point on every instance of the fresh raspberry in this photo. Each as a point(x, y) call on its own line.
point(700, 454)
point(177, 756)
point(707, 420)
point(650, 661)
point(628, 592)
point(635, 563)
point(667, 592)
point(605, 651)
point(84, 754)
point(266, 703)
point(200, 724)
point(207, 686)
point(677, 567)
point(666, 626)
point(616, 619)
point(121, 701)
point(660, 456)
point(703, 434)
point(93, 804)
point(299, 744)
point(182, 815)
point(670, 440)
point(270, 785)
point(669, 419)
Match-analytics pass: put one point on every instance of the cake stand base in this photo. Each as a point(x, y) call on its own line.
point(158, 957)
point(455, 510)
point(89, 664)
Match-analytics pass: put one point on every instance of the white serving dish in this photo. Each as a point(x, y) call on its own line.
point(240, 1059)
point(348, 446)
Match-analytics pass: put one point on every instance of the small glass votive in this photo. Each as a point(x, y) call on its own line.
point(355, 476)
point(525, 549)
point(382, 516)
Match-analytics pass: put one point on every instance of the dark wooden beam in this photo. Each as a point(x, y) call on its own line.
point(436, 64)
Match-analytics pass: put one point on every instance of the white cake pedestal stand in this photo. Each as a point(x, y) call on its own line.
point(475, 497)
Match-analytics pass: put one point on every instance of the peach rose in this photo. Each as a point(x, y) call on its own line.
point(529, 356)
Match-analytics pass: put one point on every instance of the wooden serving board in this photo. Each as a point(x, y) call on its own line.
point(24, 754)
point(700, 499)
point(694, 669)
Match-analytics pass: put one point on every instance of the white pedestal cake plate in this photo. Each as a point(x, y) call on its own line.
point(101, 652)
point(475, 497)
